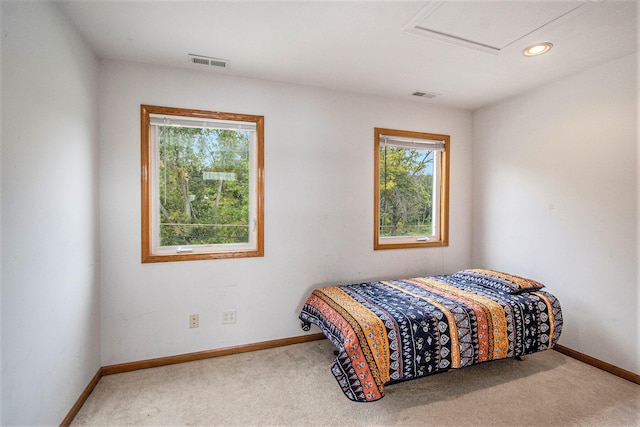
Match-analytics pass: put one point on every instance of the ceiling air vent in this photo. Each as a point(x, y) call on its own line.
point(207, 60)
point(424, 94)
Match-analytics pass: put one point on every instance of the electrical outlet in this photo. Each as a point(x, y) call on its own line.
point(194, 321)
point(228, 317)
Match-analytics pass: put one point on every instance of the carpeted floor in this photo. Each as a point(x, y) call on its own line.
point(293, 386)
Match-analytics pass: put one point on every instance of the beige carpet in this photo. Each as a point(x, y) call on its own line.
point(293, 386)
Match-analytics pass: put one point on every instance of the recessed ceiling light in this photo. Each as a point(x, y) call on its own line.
point(537, 49)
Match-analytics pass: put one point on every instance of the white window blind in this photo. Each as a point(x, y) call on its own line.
point(195, 122)
point(411, 143)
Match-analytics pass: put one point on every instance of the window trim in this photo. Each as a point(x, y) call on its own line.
point(148, 256)
point(380, 243)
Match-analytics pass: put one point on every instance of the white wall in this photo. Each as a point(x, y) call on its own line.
point(638, 195)
point(555, 191)
point(50, 306)
point(318, 210)
point(1, 364)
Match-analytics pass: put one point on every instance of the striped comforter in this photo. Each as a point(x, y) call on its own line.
point(396, 330)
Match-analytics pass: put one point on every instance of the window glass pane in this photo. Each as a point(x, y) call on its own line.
point(406, 192)
point(204, 185)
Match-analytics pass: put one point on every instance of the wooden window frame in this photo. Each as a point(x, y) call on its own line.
point(148, 256)
point(442, 239)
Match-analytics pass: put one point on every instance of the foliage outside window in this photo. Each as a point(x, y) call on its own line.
point(202, 184)
point(411, 189)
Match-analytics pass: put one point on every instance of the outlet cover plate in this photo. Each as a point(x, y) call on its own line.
point(194, 321)
point(228, 317)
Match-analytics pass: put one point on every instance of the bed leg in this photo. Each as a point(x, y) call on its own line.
point(521, 358)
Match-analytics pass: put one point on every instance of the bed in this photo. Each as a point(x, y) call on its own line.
point(396, 330)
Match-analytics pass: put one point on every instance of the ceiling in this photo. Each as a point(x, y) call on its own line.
point(469, 53)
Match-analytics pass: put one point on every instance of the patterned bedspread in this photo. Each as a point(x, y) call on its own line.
point(396, 330)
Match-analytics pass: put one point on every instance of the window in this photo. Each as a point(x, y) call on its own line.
point(202, 184)
point(411, 189)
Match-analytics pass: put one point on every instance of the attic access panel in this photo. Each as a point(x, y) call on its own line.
point(490, 26)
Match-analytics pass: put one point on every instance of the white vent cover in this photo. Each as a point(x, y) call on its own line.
point(208, 60)
point(424, 94)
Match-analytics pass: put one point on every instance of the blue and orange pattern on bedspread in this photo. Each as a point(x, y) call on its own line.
point(396, 330)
